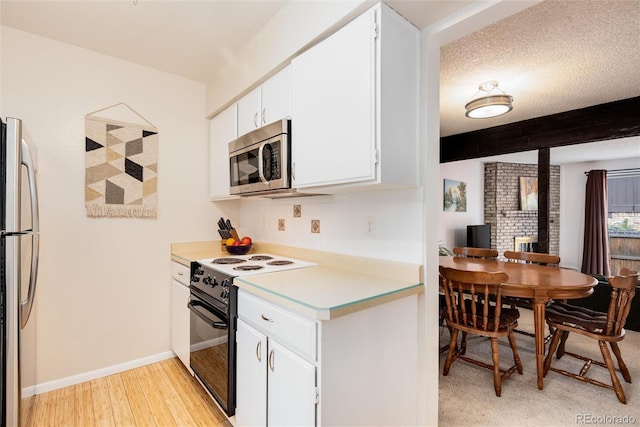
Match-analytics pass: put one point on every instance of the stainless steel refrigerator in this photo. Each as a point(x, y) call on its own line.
point(18, 268)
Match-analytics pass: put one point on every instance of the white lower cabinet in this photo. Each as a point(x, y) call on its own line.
point(355, 370)
point(275, 386)
point(251, 376)
point(180, 315)
point(291, 384)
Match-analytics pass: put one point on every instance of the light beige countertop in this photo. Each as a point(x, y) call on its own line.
point(339, 285)
point(324, 293)
point(188, 252)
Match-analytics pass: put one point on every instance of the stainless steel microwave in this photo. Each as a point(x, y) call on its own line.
point(260, 162)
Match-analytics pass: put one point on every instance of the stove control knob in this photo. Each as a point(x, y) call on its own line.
point(198, 271)
point(207, 280)
point(195, 279)
point(213, 282)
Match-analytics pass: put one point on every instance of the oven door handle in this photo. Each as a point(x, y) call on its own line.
point(218, 325)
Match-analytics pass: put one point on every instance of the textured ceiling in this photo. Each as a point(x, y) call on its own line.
point(552, 57)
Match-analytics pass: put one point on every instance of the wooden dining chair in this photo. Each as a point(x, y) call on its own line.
point(528, 258)
point(532, 258)
point(469, 252)
point(470, 310)
point(602, 327)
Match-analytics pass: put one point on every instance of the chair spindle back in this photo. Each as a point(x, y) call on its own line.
point(469, 252)
point(532, 258)
point(468, 299)
point(622, 293)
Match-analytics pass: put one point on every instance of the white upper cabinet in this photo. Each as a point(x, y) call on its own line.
point(265, 104)
point(222, 130)
point(354, 106)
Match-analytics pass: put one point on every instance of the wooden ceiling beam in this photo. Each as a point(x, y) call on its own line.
point(618, 119)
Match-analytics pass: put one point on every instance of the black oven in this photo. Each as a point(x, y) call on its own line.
point(212, 347)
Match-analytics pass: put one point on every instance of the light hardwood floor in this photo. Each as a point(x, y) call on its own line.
point(160, 394)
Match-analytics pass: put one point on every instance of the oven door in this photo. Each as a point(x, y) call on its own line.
point(263, 166)
point(211, 356)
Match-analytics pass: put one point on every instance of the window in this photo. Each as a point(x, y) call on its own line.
point(623, 199)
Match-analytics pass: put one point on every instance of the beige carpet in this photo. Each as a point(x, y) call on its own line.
point(467, 398)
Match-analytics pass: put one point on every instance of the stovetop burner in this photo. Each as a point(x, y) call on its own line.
point(244, 265)
point(280, 262)
point(260, 258)
point(249, 267)
point(229, 260)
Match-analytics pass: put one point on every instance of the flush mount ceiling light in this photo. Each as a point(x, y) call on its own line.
point(488, 102)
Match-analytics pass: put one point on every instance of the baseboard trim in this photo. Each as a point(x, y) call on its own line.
point(98, 373)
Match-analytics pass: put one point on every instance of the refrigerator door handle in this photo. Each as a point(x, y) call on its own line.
point(27, 305)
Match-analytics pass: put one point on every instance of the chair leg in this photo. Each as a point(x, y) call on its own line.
point(612, 371)
point(563, 340)
point(552, 348)
point(452, 350)
point(514, 349)
point(621, 364)
point(463, 343)
point(495, 354)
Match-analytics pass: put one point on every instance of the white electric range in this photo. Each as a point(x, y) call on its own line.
point(243, 265)
point(213, 305)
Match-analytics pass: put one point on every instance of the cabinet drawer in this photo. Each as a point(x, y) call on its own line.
point(180, 273)
point(293, 331)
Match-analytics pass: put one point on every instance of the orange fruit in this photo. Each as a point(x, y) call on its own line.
point(230, 241)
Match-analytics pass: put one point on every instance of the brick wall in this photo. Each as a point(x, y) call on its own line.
point(502, 205)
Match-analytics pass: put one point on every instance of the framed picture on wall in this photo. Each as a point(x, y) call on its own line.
point(528, 193)
point(454, 196)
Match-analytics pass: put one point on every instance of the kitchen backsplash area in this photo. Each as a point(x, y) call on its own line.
point(376, 224)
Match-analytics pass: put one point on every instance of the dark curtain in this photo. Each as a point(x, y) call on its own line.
point(595, 254)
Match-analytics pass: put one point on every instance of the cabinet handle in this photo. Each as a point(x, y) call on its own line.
point(266, 318)
point(180, 274)
point(271, 365)
point(259, 351)
point(255, 119)
point(264, 110)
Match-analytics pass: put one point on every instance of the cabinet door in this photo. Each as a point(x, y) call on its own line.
point(333, 107)
point(222, 130)
point(249, 111)
point(180, 321)
point(251, 377)
point(276, 97)
point(292, 388)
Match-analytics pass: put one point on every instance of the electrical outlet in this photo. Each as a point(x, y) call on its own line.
point(297, 211)
point(315, 225)
point(371, 225)
point(280, 224)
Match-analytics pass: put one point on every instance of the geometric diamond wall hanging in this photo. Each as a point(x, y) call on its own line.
point(121, 164)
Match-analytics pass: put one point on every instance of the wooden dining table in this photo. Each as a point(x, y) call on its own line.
point(536, 282)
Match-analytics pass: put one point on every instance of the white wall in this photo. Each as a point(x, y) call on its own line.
point(453, 225)
point(397, 218)
point(104, 284)
point(572, 198)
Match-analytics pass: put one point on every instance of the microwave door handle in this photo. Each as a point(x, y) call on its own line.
point(261, 164)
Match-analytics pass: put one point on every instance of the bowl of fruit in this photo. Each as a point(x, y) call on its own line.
point(236, 247)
